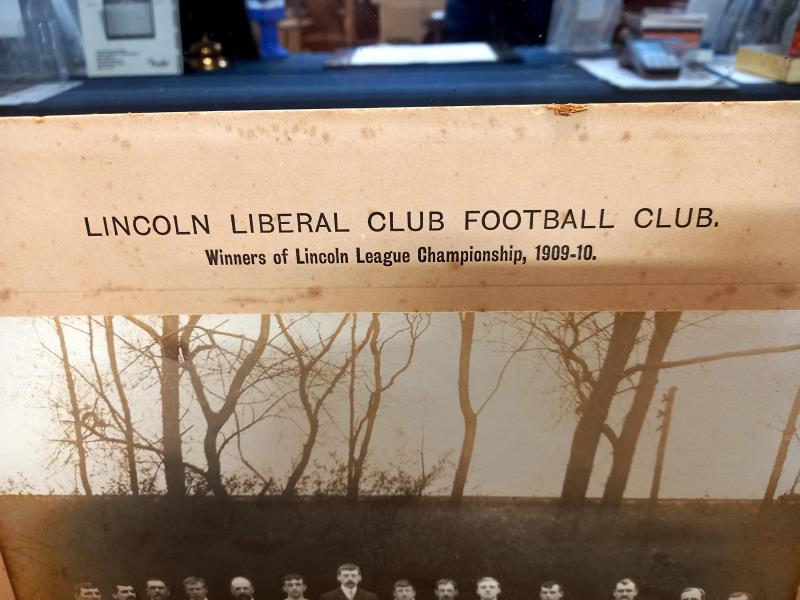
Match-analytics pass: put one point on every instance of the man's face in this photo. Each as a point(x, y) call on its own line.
point(445, 591)
point(625, 591)
point(692, 594)
point(488, 589)
point(294, 588)
point(88, 594)
point(405, 592)
point(125, 592)
point(242, 589)
point(349, 577)
point(196, 591)
point(554, 592)
point(157, 590)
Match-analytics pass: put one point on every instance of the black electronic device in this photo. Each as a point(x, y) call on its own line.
point(651, 59)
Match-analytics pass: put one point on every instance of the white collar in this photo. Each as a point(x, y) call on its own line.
point(347, 591)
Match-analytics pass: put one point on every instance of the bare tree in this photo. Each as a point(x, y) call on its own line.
point(470, 415)
point(241, 366)
point(592, 361)
point(78, 439)
point(789, 431)
point(624, 444)
point(594, 411)
point(127, 419)
point(469, 412)
point(361, 427)
point(317, 379)
point(168, 342)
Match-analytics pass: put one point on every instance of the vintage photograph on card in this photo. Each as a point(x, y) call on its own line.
point(491, 456)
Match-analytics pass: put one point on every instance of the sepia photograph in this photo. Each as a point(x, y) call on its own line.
point(402, 456)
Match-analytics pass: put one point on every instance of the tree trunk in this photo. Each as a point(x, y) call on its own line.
point(213, 462)
point(291, 485)
point(130, 452)
point(75, 411)
point(351, 431)
point(470, 417)
point(595, 411)
point(625, 446)
point(371, 416)
point(171, 408)
point(666, 421)
point(783, 449)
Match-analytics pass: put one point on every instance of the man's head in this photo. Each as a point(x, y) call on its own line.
point(626, 589)
point(349, 575)
point(86, 590)
point(242, 589)
point(551, 590)
point(741, 596)
point(488, 588)
point(156, 589)
point(403, 589)
point(195, 588)
point(293, 586)
point(446, 589)
point(124, 591)
point(693, 593)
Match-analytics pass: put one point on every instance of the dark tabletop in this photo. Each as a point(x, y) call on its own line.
point(303, 81)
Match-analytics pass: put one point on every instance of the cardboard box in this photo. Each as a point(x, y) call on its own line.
point(404, 20)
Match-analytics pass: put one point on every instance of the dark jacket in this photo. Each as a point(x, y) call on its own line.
point(338, 594)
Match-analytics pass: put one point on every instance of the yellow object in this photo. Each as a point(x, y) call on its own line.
point(765, 61)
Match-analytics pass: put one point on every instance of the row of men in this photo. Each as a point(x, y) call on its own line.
point(349, 577)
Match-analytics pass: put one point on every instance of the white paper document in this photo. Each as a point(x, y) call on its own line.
point(37, 93)
point(427, 54)
point(608, 69)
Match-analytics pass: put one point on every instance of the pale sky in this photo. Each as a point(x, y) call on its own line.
point(726, 425)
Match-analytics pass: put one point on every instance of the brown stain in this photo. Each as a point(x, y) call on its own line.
point(368, 133)
point(326, 137)
point(455, 266)
point(38, 119)
point(584, 137)
point(126, 145)
point(726, 290)
point(626, 136)
point(784, 291)
point(314, 292)
point(565, 110)
point(296, 129)
point(5, 294)
point(519, 132)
